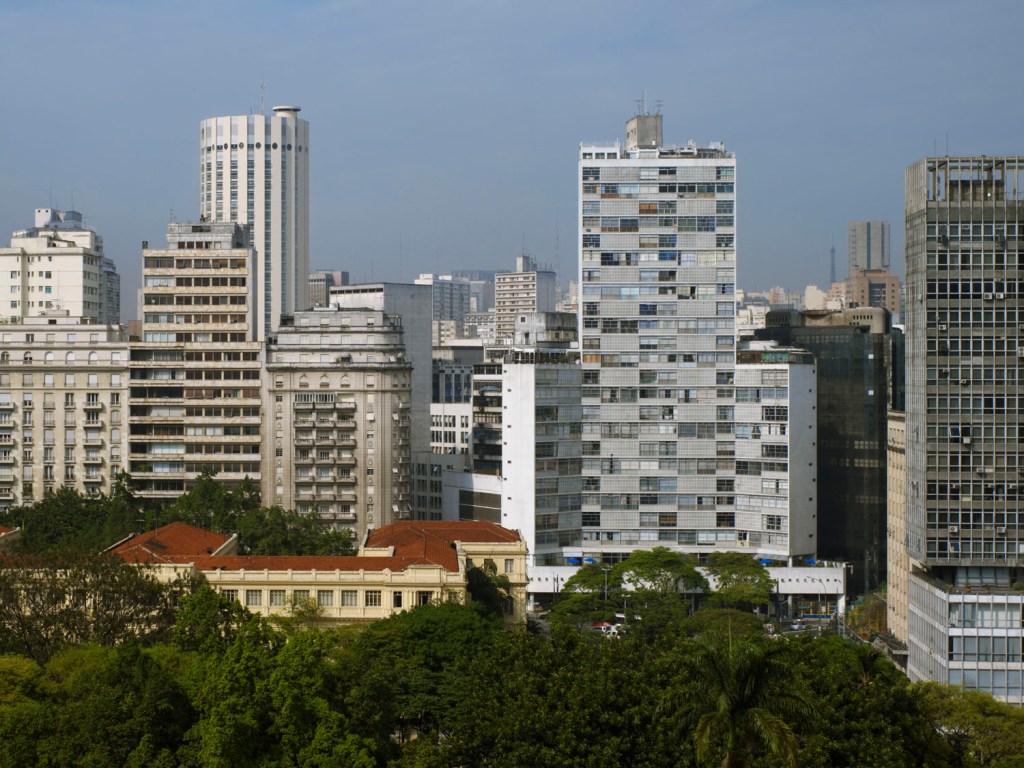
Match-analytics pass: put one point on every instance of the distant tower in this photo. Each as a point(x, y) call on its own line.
point(869, 245)
point(254, 171)
point(832, 272)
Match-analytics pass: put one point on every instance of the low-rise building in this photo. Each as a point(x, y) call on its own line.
point(398, 567)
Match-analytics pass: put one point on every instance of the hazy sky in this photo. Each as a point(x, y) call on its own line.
point(444, 134)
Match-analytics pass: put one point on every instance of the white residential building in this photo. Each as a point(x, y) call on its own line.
point(58, 263)
point(658, 314)
point(254, 171)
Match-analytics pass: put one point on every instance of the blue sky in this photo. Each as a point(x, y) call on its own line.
point(444, 134)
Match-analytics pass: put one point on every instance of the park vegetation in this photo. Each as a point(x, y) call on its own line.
point(101, 665)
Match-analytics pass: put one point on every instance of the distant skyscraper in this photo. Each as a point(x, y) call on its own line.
point(869, 245)
point(254, 171)
point(525, 291)
point(965, 524)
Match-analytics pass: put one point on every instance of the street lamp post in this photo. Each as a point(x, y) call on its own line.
point(606, 568)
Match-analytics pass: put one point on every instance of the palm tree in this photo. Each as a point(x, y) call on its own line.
point(737, 696)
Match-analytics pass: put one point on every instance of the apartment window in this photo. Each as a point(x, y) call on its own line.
point(276, 598)
point(253, 597)
point(231, 595)
point(300, 596)
point(349, 598)
point(69, 379)
point(373, 598)
point(325, 598)
point(69, 399)
point(396, 598)
point(424, 597)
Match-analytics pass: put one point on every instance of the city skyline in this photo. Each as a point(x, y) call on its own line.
point(442, 145)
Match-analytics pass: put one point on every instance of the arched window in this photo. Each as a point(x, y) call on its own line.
point(324, 381)
point(27, 358)
point(93, 358)
point(69, 357)
point(5, 357)
point(48, 357)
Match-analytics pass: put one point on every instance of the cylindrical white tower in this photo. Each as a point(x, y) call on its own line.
point(254, 170)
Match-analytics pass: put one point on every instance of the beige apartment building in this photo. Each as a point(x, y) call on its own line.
point(63, 406)
point(525, 291)
point(195, 391)
point(339, 394)
point(898, 562)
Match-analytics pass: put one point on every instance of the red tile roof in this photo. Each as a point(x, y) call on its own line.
point(430, 543)
point(434, 540)
point(172, 543)
point(323, 563)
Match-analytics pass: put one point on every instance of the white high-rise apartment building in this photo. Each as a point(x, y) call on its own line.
point(254, 171)
point(58, 263)
point(658, 308)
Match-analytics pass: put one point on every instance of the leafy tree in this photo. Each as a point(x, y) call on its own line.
point(737, 698)
point(740, 581)
point(722, 623)
point(661, 570)
point(206, 621)
point(50, 603)
point(975, 730)
point(489, 591)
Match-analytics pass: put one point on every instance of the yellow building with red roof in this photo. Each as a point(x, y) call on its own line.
point(399, 566)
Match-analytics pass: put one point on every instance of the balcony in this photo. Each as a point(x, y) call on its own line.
point(302, 406)
point(304, 421)
point(346, 479)
point(345, 406)
point(92, 441)
point(6, 458)
point(93, 478)
point(346, 461)
point(93, 405)
point(6, 478)
point(6, 405)
point(346, 425)
point(303, 439)
point(346, 443)
point(347, 497)
point(325, 439)
point(93, 460)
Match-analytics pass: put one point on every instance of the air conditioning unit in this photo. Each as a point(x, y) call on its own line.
point(1001, 531)
point(1000, 295)
point(964, 382)
point(988, 297)
point(942, 326)
point(954, 529)
point(967, 441)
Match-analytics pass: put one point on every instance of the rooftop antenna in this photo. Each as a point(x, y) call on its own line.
point(947, 143)
point(263, 95)
point(172, 214)
point(558, 252)
point(832, 274)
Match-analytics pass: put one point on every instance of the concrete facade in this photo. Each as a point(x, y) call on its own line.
point(196, 391)
point(898, 564)
point(868, 245)
point(338, 389)
point(965, 533)
point(520, 293)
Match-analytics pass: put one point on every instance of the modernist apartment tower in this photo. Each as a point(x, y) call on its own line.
point(965, 527)
point(658, 330)
point(254, 171)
